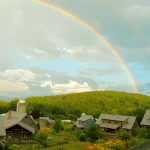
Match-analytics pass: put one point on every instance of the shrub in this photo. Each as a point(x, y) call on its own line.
point(82, 136)
point(58, 126)
point(123, 135)
point(2, 146)
point(42, 138)
point(94, 133)
point(142, 133)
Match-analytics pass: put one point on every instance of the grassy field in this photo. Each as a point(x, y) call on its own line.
point(56, 140)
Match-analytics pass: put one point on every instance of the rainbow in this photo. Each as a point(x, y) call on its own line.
point(101, 37)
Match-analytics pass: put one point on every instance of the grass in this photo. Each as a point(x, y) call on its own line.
point(57, 139)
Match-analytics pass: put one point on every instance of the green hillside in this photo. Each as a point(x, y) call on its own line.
point(72, 105)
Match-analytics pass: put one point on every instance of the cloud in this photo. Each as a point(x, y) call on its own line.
point(139, 11)
point(17, 74)
point(71, 87)
point(12, 86)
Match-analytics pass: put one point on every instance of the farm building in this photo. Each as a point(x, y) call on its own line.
point(84, 121)
point(146, 120)
point(17, 124)
point(111, 124)
point(46, 122)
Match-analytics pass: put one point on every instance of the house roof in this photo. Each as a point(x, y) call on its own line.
point(78, 125)
point(29, 128)
point(85, 117)
point(110, 126)
point(130, 123)
point(130, 120)
point(16, 119)
point(2, 126)
point(146, 119)
point(113, 117)
point(50, 121)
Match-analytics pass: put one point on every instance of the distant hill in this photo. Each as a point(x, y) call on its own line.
point(6, 98)
point(93, 103)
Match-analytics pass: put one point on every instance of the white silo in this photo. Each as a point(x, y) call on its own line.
point(21, 106)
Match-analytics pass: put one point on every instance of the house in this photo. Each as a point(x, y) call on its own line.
point(146, 120)
point(111, 124)
point(45, 122)
point(2, 127)
point(17, 124)
point(84, 121)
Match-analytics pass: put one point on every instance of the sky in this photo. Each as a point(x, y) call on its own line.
point(46, 52)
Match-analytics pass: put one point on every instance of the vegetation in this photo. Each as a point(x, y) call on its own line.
point(123, 135)
point(142, 133)
point(70, 106)
point(58, 126)
point(42, 138)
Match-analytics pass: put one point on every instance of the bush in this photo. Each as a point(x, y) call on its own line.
point(2, 146)
point(94, 133)
point(58, 126)
point(142, 133)
point(123, 135)
point(42, 138)
point(82, 136)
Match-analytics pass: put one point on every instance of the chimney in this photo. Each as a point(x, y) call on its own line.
point(9, 114)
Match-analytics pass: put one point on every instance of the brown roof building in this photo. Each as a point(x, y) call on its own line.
point(18, 125)
point(113, 123)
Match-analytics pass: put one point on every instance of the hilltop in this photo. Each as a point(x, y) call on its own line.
point(95, 102)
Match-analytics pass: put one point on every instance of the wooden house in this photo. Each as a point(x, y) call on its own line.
point(17, 124)
point(111, 124)
point(45, 122)
point(84, 121)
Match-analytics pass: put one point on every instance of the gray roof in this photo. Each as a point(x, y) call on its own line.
point(78, 125)
point(109, 126)
point(2, 126)
point(113, 117)
point(16, 119)
point(131, 122)
point(120, 118)
point(50, 121)
point(85, 117)
point(146, 119)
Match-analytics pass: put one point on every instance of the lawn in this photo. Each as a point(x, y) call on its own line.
point(56, 140)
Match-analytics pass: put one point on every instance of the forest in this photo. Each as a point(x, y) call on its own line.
point(70, 106)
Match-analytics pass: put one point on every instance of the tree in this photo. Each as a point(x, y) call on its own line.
point(58, 126)
point(35, 114)
point(42, 138)
point(123, 135)
point(94, 133)
point(13, 104)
